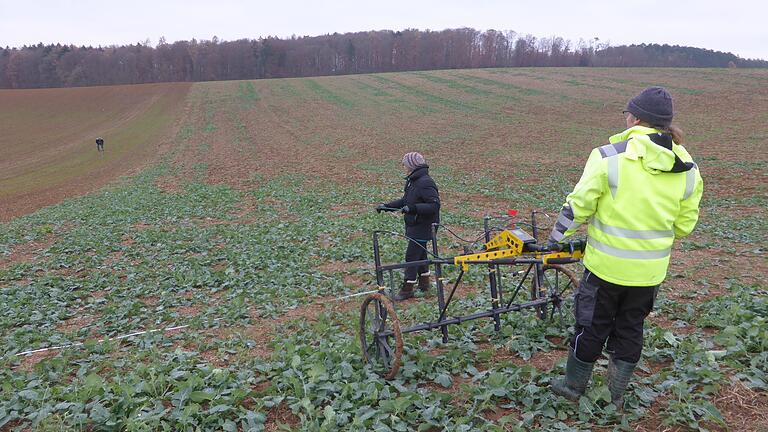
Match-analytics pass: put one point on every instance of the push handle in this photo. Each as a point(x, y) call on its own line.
point(561, 261)
point(571, 246)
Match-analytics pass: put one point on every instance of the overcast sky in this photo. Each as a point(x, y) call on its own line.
point(738, 26)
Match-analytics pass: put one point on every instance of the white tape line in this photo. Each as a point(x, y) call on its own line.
point(356, 295)
point(101, 340)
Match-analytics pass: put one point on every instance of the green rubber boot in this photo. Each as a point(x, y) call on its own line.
point(619, 374)
point(577, 375)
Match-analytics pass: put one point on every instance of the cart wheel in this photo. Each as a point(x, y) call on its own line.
point(557, 280)
point(380, 336)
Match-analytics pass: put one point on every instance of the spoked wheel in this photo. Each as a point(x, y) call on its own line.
point(557, 281)
point(380, 336)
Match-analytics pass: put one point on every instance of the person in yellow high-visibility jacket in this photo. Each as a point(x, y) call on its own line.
point(637, 195)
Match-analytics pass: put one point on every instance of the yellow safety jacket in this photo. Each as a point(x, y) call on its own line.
point(637, 194)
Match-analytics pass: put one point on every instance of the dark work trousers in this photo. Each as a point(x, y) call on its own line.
point(606, 312)
point(416, 251)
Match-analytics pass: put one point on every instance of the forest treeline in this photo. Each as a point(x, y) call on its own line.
point(334, 54)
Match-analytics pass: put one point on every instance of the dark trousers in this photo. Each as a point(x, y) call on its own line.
point(606, 312)
point(416, 251)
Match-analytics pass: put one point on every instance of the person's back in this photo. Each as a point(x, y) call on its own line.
point(419, 224)
point(647, 199)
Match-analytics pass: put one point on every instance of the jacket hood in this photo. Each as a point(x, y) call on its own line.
point(655, 149)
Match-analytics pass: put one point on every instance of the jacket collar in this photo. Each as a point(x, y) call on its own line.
point(420, 171)
point(631, 133)
point(655, 149)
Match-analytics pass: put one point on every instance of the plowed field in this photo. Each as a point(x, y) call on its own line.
point(243, 237)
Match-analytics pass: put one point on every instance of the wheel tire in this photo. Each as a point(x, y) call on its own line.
point(377, 315)
point(563, 278)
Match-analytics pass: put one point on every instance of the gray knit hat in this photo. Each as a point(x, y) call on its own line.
point(653, 105)
point(413, 160)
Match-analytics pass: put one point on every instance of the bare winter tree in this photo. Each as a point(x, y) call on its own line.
point(332, 54)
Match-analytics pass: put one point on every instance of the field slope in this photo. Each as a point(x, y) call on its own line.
point(259, 215)
point(48, 139)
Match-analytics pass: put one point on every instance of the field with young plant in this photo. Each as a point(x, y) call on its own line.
point(244, 231)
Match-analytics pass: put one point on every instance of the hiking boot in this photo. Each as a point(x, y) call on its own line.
point(619, 374)
point(424, 281)
point(406, 291)
point(577, 375)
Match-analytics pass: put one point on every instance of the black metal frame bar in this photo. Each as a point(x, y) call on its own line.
point(470, 317)
point(494, 280)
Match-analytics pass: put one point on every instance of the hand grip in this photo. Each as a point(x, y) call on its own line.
point(561, 261)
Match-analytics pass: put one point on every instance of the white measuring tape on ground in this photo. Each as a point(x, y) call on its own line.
point(356, 295)
point(76, 344)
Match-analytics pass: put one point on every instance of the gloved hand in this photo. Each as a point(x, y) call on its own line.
point(405, 209)
point(555, 246)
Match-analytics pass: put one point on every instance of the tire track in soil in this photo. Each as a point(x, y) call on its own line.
point(188, 149)
point(268, 148)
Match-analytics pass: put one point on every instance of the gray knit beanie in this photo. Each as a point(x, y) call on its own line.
point(413, 160)
point(653, 105)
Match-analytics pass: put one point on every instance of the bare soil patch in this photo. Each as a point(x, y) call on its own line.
point(189, 311)
point(676, 327)
point(27, 252)
point(541, 360)
point(743, 409)
point(343, 266)
point(280, 416)
point(75, 323)
point(29, 361)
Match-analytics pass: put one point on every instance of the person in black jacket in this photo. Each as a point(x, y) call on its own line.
point(420, 206)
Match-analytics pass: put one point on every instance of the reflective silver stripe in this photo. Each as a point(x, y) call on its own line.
point(690, 182)
point(567, 218)
point(556, 235)
point(631, 254)
point(621, 146)
point(613, 174)
point(564, 220)
point(632, 234)
point(608, 150)
point(564, 223)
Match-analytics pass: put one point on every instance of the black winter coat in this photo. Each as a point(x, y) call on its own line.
point(423, 201)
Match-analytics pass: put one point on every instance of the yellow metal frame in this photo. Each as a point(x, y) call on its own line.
point(577, 254)
point(505, 245)
point(505, 239)
point(461, 259)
